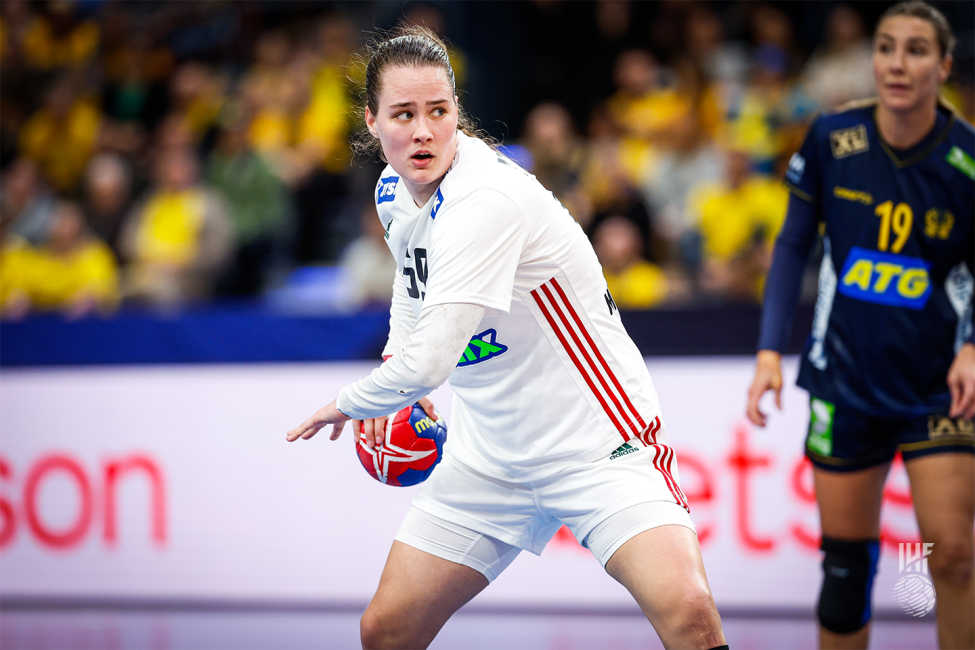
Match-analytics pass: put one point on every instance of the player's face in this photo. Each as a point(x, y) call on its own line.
point(907, 63)
point(416, 124)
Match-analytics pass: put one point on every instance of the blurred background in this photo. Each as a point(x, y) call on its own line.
point(178, 187)
point(176, 154)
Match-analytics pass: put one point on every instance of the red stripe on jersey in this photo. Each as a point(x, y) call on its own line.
point(592, 365)
point(575, 316)
point(649, 435)
point(582, 369)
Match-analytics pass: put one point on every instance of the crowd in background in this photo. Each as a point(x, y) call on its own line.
point(169, 153)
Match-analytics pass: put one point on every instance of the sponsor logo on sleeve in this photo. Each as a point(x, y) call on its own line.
point(797, 166)
point(847, 142)
point(386, 189)
point(886, 279)
point(961, 161)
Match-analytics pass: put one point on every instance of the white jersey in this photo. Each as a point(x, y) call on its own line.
point(551, 374)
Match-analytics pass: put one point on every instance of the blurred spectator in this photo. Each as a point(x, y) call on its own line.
point(177, 239)
point(633, 282)
point(26, 202)
point(62, 134)
point(556, 152)
point(771, 112)
point(136, 69)
point(738, 219)
point(73, 272)
point(57, 39)
point(692, 160)
point(15, 21)
point(722, 61)
point(108, 196)
point(841, 69)
point(197, 94)
point(645, 104)
point(257, 205)
point(367, 263)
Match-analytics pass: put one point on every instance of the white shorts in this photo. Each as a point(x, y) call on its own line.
point(482, 522)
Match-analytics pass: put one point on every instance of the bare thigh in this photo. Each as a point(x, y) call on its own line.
point(849, 502)
point(417, 593)
point(663, 571)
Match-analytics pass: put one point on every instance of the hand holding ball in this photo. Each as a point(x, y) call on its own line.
point(411, 448)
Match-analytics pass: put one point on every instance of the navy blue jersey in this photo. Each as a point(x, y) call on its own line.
point(895, 288)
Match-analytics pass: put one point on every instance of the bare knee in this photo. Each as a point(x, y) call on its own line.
point(694, 622)
point(952, 563)
point(378, 631)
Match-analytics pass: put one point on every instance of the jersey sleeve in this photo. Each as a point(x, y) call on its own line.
point(475, 250)
point(804, 177)
point(401, 318)
point(784, 281)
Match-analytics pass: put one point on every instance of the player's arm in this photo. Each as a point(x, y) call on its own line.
point(425, 361)
point(401, 318)
point(961, 375)
point(782, 291)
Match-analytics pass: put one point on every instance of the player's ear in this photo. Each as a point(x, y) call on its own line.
point(944, 70)
point(371, 123)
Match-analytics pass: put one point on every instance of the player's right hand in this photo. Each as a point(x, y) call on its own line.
point(768, 376)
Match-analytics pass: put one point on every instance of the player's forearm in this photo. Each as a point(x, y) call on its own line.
point(423, 363)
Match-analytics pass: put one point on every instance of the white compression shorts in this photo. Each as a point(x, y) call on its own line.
point(480, 522)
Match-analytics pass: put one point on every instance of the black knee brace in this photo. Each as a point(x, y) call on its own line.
point(848, 571)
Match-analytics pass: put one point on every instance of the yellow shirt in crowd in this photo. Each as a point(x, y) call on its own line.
point(730, 218)
point(640, 286)
point(52, 281)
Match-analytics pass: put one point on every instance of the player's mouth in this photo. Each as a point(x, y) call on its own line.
point(422, 159)
point(898, 88)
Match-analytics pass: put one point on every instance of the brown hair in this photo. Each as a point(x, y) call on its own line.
point(924, 11)
point(410, 46)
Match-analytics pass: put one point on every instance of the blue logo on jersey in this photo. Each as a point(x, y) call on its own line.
point(482, 347)
point(886, 279)
point(437, 202)
point(386, 189)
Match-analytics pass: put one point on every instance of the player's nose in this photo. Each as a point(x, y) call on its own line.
point(422, 131)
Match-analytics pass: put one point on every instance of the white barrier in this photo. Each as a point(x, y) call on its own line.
point(176, 482)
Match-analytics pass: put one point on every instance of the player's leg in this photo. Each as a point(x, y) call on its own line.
point(663, 570)
point(417, 593)
point(433, 569)
point(943, 487)
point(849, 512)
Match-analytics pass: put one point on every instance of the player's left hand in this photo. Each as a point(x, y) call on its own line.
point(961, 383)
point(323, 416)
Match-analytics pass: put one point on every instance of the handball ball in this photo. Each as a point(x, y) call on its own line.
point(411, 449)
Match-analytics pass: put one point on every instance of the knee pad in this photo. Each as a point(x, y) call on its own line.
point(848, 572)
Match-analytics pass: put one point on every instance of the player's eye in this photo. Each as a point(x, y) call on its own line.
point(884, 48)
point(403, 116)
point(439, 112)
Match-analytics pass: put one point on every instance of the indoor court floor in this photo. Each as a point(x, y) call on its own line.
point(219, 628)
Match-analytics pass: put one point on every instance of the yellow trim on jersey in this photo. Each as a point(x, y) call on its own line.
point(802, 195)
point(901, 164)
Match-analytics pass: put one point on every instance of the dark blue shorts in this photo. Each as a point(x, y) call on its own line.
point(843, 440)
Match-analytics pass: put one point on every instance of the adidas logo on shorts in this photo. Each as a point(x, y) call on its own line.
point(624, 449)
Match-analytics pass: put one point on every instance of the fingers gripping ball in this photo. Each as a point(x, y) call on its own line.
point(411, 449)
